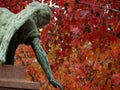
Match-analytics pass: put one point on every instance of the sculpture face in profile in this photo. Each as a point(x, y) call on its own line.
point(21, 28)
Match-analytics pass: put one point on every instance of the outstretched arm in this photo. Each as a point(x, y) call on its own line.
point(42, 59)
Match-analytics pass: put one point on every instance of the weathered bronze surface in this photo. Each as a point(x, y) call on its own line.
point(21, 28)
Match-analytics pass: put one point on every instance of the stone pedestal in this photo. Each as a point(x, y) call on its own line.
point(13, 78)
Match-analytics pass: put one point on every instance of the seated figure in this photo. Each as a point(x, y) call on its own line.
point(22, 28)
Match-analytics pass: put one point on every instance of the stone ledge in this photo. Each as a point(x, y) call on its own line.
point(13, 78)
point(19, 84)
point(10, 71)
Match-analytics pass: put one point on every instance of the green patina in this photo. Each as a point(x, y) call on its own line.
point(23, 28)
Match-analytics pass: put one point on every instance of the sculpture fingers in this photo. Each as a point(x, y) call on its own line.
point(56, 84)
point(61, 88)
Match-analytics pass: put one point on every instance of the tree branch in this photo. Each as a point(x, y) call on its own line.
point(110, 9)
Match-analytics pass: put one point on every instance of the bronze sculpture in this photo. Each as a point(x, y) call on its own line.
point(23, 28)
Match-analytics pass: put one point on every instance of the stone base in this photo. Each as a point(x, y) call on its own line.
point(13, 78)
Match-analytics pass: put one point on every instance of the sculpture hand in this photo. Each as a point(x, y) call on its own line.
point(42, 59)
point(55, 84)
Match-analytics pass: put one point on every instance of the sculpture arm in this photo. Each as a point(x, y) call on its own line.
point(42, 59)
point(41, 56)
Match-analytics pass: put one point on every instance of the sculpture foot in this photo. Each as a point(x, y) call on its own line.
point(2, 61)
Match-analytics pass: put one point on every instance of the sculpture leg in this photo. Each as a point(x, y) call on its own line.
point(11, 50)
point(42, 59)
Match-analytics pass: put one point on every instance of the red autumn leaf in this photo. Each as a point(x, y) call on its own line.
point(75, 30)
point(62, 2)
point(76, 64)
point(75, 42)
point(116, 79)
point(85, 88)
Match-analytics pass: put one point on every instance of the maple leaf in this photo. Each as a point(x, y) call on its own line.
point(116, 79)
point(88, 33)
point(75, 30)
point(62, 2)
point(75, 42)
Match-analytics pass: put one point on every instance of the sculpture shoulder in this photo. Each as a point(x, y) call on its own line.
point(5, 15)
point(30, 24)
point(5, 12)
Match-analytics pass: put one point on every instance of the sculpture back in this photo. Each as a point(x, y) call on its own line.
point(5, 16)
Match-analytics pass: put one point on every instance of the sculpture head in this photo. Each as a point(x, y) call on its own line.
point(42, 17)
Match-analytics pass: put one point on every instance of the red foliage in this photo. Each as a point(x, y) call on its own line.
point(81, 42)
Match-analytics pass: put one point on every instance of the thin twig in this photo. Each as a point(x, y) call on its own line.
point(111, 9)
